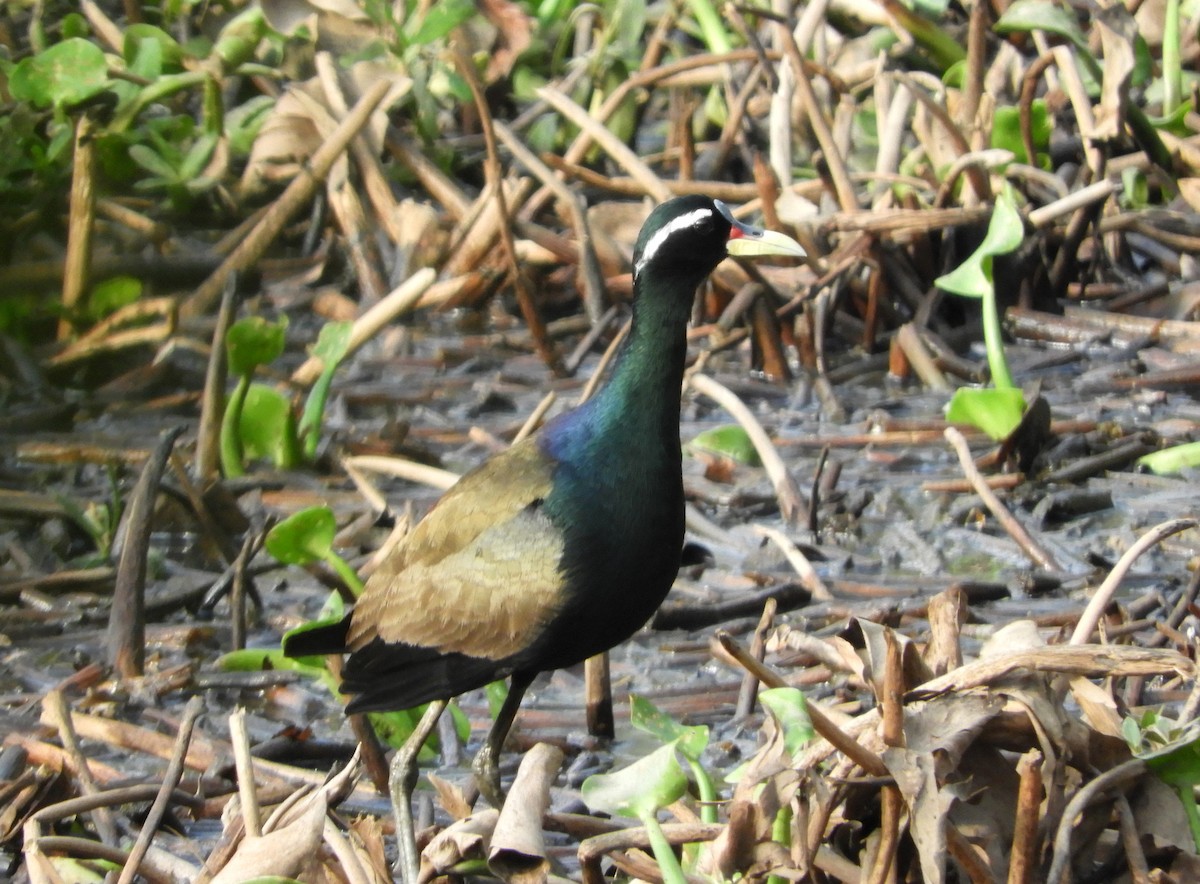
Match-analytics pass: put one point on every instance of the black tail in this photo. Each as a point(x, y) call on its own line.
point(383, 676)
point(329, 639)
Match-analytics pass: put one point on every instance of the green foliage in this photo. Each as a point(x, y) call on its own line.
point(938, 46)
point(1172, 460)
point(259, 421)
point(1172, 751)
point(249, 343)
point(110, 295)
point(306, 537)
point(997, 415)
point(63, 75)
point(790, 711)
point(267, 428)
point(1025, 16)
point(730, 441)
point(98, 519)
point(639, 790)
point(1006, 133)
point(254, 341)
point(333, 343)
point(175, 168)
point(996, 411)
point(690, 741)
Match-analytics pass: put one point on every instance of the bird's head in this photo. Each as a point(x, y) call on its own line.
point(689, 236)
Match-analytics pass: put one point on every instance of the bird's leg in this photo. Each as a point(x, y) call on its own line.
point(486, 766)
point(402, 780)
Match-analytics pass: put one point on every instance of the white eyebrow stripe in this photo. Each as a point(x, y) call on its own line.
point(656, 241)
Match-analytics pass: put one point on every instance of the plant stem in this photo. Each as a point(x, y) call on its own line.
point(781, 833)
point(708, 792)
point(993, 340)
point(344, 571)
point(668, 863)
point(711, 26)
point(231, 436)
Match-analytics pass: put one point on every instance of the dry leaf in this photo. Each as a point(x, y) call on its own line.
point(283, 852)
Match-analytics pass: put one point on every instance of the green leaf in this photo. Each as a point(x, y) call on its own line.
point(65, 74)
point(640, 789)
point(267, 428)
point(1135, 189)
point(974, 278)
point(304, 537)
point(995, 411)
point(1024, 16)
point(240, 37)
point(730, 440)
point(648, 718)
point(242, 123)
point(1006, 131)
point(1006, 231)
point(1178, 765)
point(943, 50)
point(260, 659)
point(332, 345)
point(440, 19)
point(1173, 459)
point(790, 711)
point(149, 160)
point(198, 156)
point(110, 295)
point(149, 44)
point(252, 342)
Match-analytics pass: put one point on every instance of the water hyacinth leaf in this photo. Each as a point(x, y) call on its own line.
point(333, 343)
point(1006, 231)
point(260, 659)
point(640, 789)
point(692, 740)
point(303, 538)
point(1006, 132)
point(790, 711)
point(306, 537)
point(731, 440)
point(252, 342)
point(65, 74)
point(1172, 460)
point(1024, 16)
point(996, 411)
point(267, 428)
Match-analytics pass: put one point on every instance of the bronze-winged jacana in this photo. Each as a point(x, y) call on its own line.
point(558, 548)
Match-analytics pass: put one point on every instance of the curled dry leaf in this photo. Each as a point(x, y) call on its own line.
point(466, 839)
point(283, 852)
point(518, 850)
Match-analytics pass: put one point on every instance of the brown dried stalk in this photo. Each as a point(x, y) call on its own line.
point(298, 193)
point(1040, 556)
